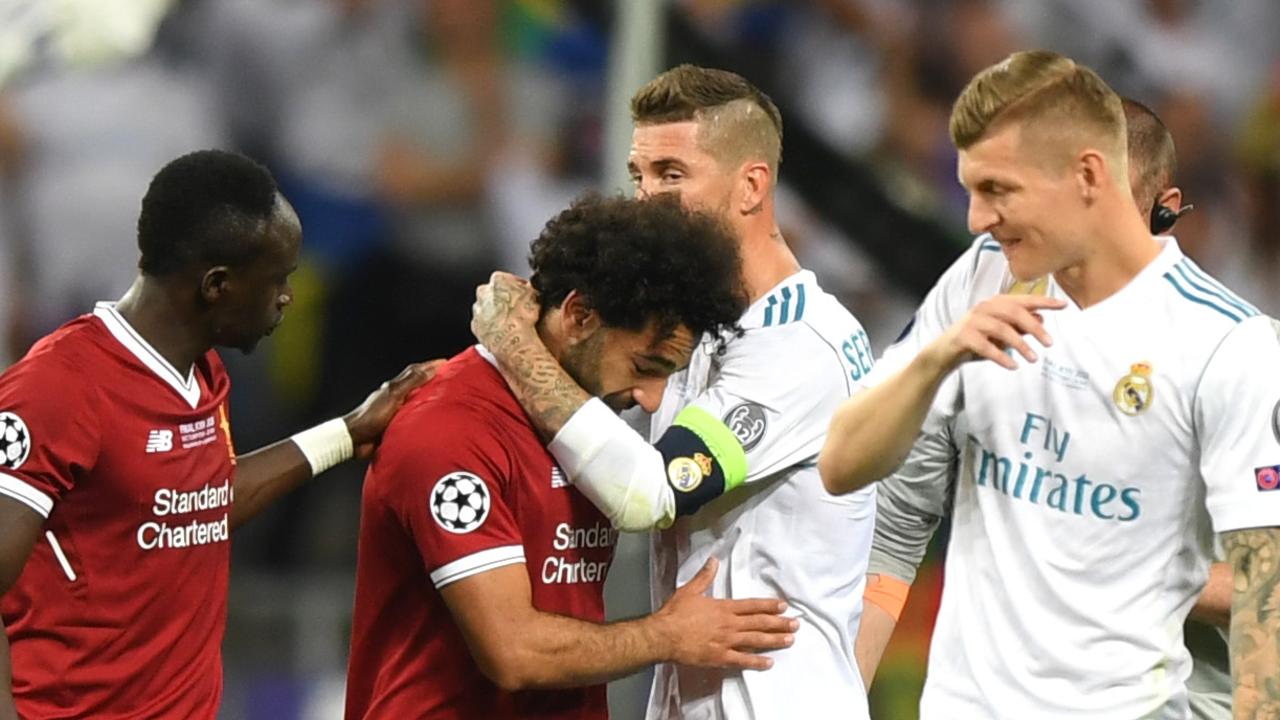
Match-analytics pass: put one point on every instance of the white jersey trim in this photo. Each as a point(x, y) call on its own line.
point(11, 486)
point(187, 388)
point(62, 558)
point(476, 563)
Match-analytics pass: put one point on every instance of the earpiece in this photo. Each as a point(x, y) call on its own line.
point(1163, 217)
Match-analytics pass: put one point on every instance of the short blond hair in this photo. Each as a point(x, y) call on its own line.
point(1055, 100)
point(736, 120)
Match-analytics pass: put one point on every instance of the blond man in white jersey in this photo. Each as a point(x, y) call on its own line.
point(1140, 408)
point(731, 472)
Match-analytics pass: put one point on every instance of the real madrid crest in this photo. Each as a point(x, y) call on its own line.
point(1135, 393)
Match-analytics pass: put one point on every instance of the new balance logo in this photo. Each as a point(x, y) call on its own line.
point(557, 479)
point(159, 441)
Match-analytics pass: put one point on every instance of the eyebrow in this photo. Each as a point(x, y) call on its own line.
point(662, 362)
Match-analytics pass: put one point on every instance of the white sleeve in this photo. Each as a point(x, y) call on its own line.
point(1237, 416)
point(777, 389)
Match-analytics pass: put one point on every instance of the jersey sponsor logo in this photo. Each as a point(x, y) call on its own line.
point(1042, 476)
point(460, 502)
point(685, 474)
point(159, 441)
point(15, 440)
point(557, 479)
point(747, 421)
point(1268, 478)
point(1134, 392)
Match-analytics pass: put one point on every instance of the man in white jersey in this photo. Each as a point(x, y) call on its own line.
point(1080, 536)
point(911, 503)
point(731, 472)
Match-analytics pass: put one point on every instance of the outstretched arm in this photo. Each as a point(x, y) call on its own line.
point(872, 432)
point(520, 648)
point(1255, 621)
point(265, 475)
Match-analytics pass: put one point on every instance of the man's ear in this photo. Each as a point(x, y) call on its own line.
point(1171, 198)
point(756, 181)
point(1091, 174)
point(215, 283)
point(578, 319)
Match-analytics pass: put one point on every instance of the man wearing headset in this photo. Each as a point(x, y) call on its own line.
point(911, 502)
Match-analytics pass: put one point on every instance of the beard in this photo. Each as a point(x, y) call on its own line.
point(583, 363)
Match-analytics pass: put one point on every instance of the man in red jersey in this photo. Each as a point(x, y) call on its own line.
point(479, 585)
point(117, 472)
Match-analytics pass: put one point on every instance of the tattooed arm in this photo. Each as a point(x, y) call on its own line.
point(504, 319)
point(1255, 621)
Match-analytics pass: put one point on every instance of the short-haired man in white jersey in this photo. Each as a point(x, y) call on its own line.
point(731, 472)
point(1145, 394)
point(911, 502)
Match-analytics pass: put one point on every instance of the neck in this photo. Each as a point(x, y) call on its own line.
point(150, 308)
point(766, 259)
point(1108, 266)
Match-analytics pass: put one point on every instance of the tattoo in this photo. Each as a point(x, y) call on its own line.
point(507, 326)
point(543, 388)
point(1255, 621)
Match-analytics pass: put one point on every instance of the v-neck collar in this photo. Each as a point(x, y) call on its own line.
point(186, 387)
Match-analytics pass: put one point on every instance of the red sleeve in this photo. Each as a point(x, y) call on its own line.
point(49, 432)
point(447, 479)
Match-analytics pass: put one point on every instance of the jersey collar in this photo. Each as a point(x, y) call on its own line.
point(187, 388)
point(768, 309)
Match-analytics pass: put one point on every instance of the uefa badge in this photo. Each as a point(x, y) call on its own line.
point(1135, 393)
point(460, 502)
point(15, 441)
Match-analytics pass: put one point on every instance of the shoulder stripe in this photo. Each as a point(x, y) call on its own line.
point(989, 245)
point(476, 563)
point(1207, 292)
point(12, 487)
point(783, 307)
point(1199, 300)
point(1222, 290)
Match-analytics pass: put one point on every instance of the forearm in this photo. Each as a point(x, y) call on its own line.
point(267, 474)
point(874, 632)
point(544, 389)
point(554, 651)
point(1255, 621)
point(872, 431)
point(1213, 607)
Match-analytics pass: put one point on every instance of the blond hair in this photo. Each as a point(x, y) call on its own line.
point(1060, 105)
point(736, 120)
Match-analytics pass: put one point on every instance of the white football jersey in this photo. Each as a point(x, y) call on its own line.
point(1080, 535)
point(781, 534)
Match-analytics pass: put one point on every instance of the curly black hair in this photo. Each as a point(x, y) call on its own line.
point(642, 261)
point(209, 207)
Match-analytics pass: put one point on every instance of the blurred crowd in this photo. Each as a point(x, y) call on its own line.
point(425, 142)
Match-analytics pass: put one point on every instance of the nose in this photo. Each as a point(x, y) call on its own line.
point(982, 217)
point(648, 395)
point(645, 188)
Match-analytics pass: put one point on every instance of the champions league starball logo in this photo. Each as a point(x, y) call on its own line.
point(15, 441)
point(460, 502)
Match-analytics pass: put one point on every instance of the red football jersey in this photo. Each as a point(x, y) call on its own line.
point(461, 484)
point(119, 612)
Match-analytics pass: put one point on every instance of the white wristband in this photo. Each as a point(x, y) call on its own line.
point(325, 445)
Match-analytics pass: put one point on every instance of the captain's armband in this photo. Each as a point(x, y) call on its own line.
point(702, 457)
